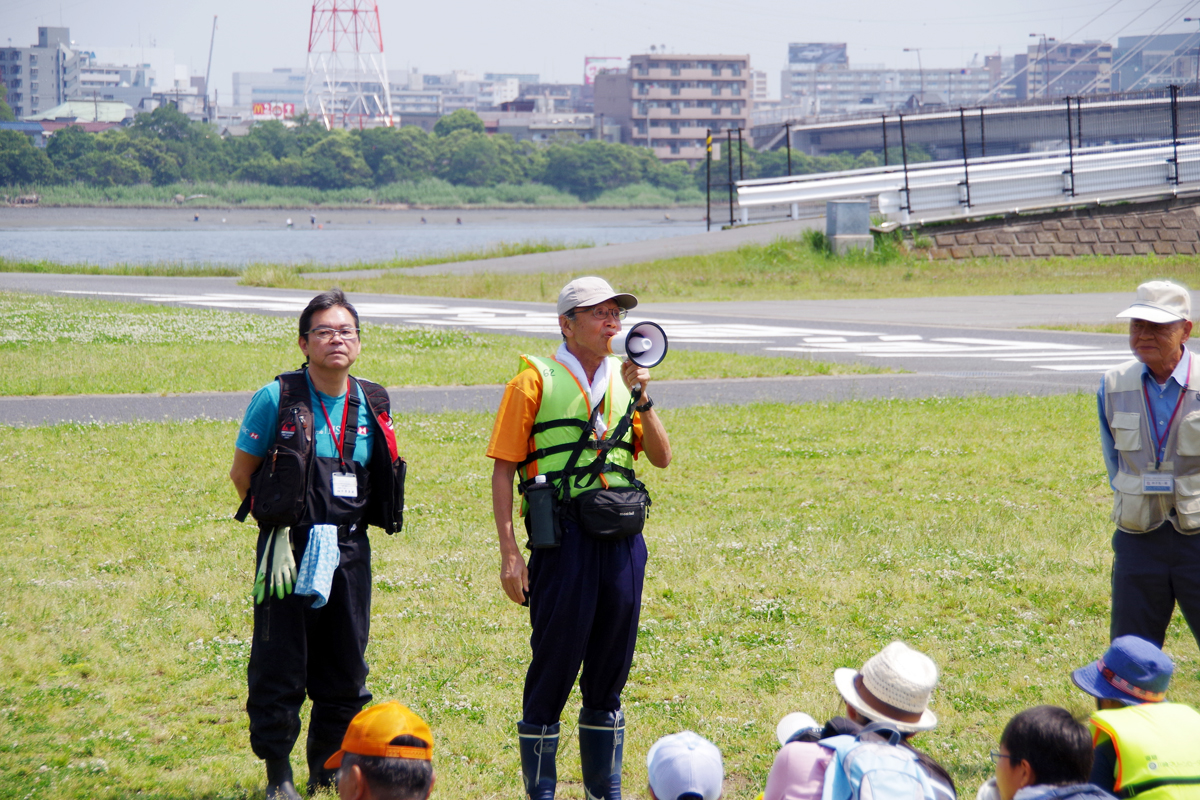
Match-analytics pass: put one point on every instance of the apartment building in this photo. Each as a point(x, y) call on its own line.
point(1065, 69)
point(669, 103)
point(41, 76)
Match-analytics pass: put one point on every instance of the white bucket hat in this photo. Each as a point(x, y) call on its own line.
point(894, 686)
point(1161, 302)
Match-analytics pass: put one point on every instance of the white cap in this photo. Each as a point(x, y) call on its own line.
point(792, 724)
point(591, 291)
point(684, 763)
point(1161, 302)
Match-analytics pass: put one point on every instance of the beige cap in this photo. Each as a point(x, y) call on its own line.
point(1160, 301)
point(591, 291)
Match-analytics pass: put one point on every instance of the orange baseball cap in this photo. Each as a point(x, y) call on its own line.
point(372, 730)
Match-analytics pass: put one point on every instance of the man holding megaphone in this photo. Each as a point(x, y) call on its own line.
point(570, 428)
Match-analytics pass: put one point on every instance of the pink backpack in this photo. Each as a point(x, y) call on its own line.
point(798, 772)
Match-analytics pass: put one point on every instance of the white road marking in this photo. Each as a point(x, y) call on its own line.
point(783, 339)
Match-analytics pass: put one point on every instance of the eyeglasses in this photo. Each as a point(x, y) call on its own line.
point(603, 313)
point(997, 755)
point(327, 334)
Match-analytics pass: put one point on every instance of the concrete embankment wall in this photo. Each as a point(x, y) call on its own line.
point(1165, 227)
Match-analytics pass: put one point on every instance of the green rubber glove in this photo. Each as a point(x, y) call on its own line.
point(277, 569)
point(283, 564)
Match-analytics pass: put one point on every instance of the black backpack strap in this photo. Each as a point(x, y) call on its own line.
point(350, 435)
point(887, 729)
point(600, 464)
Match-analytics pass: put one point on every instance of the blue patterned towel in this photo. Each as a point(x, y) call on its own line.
point(321, 558)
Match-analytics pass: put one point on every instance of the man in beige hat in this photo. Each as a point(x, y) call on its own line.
point(893, 689)
point(1150, 437)
point(569, 428)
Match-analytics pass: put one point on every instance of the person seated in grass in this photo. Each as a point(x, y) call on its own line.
point(1045, 754)
point(893, 688)
point(387, 754)
point(685, 766)
point(1144, 746)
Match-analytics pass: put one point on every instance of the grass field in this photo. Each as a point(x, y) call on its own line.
point(794, 269)
point(255, 274)
point(785, 541)
point(61, 345)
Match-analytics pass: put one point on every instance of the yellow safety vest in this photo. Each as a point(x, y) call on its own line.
point(561, 418)
point(1157, 747)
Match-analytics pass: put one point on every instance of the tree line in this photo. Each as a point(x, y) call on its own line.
point(165, 147)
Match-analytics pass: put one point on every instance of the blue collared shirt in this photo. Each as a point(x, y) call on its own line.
point(1162, 404)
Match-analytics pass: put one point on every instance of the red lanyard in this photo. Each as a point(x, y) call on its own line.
point(339, 443)
point(1159, 441)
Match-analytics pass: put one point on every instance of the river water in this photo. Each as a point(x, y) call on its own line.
point(107, 236)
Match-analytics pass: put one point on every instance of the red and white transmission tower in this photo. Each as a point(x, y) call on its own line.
point(347, 82)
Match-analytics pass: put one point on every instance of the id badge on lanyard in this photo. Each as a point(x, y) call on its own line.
point(1158, 483)
point(345, 484)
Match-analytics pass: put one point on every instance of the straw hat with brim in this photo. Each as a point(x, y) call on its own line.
point(1161, 302)
point(591, 291)
point(894, 686)
point(1132, 671)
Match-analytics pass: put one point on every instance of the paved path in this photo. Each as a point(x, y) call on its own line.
point(613, 255)
point(121, 408)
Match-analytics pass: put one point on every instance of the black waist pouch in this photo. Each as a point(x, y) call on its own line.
point(277, 489)
point(611, 514)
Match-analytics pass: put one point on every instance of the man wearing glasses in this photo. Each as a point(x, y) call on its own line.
point(315, 463)
point(570, 427)
point(1150, 437)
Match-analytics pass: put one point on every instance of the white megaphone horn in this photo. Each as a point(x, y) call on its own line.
point(645, 344)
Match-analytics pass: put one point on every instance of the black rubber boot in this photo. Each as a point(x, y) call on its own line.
point(539, 746)
point(318, 753)
point(601, 745)
point(279, 780)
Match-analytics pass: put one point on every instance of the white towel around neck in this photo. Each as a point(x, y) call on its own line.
point(596, 389)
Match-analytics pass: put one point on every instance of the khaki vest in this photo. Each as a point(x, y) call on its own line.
point(1129, 421)
point(1158, 750)
point(563, 412)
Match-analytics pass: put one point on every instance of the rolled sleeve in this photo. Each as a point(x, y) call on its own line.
point(257, 433)
point(512, 431)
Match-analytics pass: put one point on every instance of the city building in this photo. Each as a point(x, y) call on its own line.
point(669, 103)
point(819, 81)
point(548, 127)
point(1152, 62)
point(1064, 69)
point(40, 76)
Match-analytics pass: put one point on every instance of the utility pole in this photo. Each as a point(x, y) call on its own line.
point(208, 70)
point(920, 69)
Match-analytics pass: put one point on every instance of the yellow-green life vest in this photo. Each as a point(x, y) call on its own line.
point(1158, 750)
point(561, 418)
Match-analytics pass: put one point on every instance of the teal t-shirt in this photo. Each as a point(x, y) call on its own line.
point(257, 433)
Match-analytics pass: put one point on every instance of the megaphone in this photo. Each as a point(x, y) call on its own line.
point(645, 344)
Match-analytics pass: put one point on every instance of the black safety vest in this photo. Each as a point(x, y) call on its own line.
point(293, 487)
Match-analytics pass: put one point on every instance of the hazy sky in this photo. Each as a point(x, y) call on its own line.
point(551, 37)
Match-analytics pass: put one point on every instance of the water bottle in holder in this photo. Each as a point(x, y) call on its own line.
point(541, 515)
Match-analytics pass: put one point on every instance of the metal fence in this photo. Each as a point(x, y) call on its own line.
point(982, 160)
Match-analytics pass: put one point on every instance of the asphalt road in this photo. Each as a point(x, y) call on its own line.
point(949, 346)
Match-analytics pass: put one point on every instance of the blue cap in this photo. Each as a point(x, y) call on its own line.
point(1131, 671)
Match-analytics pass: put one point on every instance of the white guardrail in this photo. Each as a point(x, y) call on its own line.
point(947, 189)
